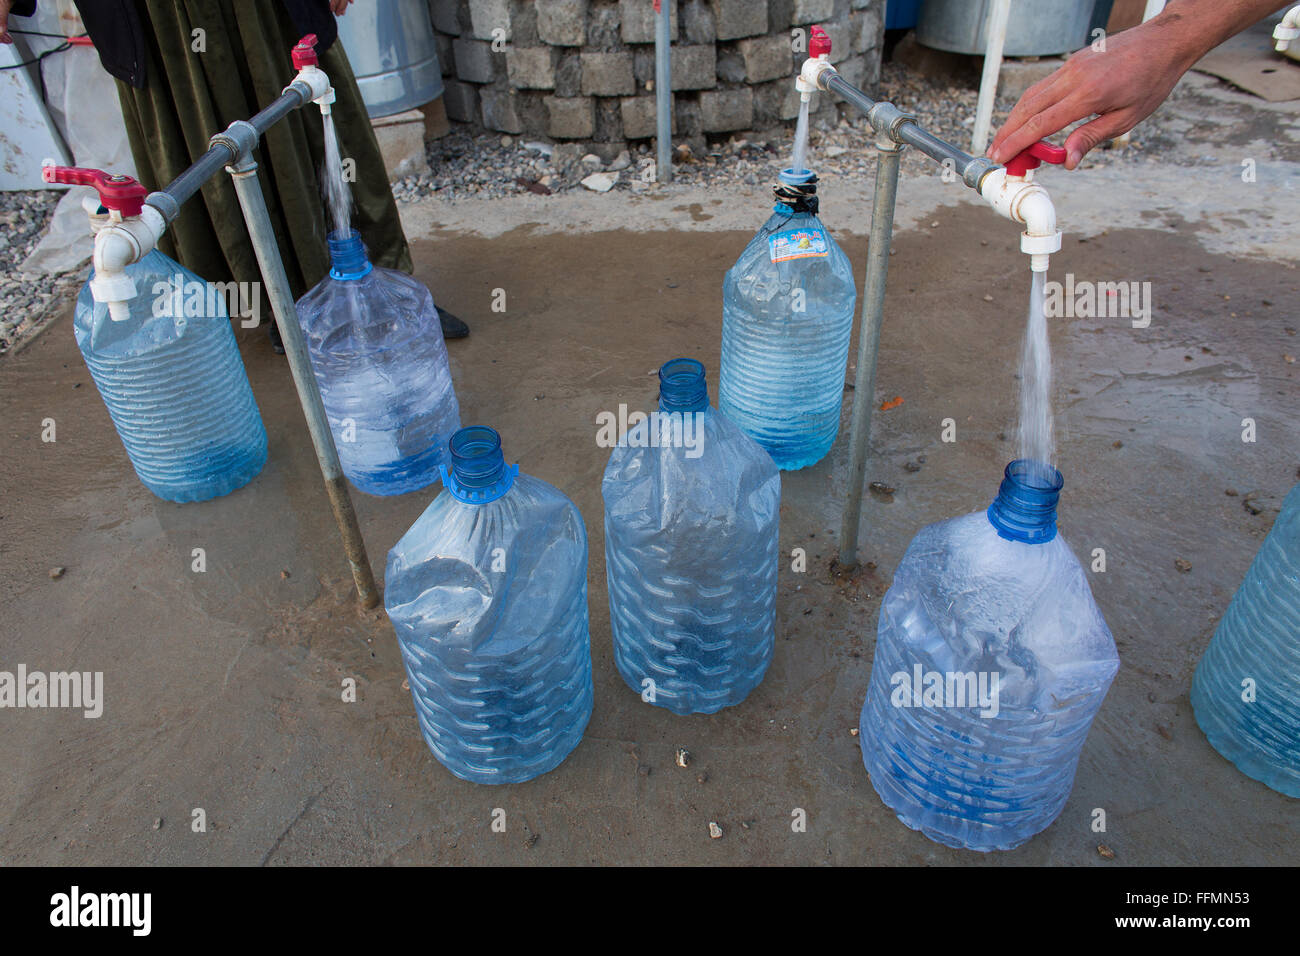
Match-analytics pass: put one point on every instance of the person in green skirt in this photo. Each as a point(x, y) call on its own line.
point(186, 69)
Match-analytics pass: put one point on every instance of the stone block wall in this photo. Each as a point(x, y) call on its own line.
point(583, 70)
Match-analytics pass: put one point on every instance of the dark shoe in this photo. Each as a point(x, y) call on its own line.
point(452, 327)
point(273, 333)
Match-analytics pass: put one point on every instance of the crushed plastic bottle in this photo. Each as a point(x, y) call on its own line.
point(488, 594)
point(787, 315)
point(991, 662)
point(692, 508)
point(173, 381)
point(376, 346)
point(1246, 691)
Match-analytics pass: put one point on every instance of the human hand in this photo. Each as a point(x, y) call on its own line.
point(1122, 86)
point(339, 7)
point(5, 5)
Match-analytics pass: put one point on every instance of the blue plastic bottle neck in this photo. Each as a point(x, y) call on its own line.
point(478, 472)
point(348, 257)
point(682, 387)
point(1025, 508)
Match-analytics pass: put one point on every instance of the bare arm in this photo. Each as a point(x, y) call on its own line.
point(1125, 84)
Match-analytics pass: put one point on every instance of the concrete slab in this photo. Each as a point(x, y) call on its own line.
point(401, 139)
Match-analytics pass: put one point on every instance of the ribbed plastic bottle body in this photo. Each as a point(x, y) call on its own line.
point(377, 350)
point(1256, 725)
point(489, 602)
point(174, 383)
point(787, 316)
point(991, 661)
point(691, 557)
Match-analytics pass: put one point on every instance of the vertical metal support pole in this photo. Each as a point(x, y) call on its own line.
point(888, 156)
point(663, 93)
point(253, 203)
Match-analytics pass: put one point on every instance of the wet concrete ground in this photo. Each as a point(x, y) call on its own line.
point(223, 688)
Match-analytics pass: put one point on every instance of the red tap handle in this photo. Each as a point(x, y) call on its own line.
point(819, 44)
point(1031, 158)
point(304, 52)
point(115, 192)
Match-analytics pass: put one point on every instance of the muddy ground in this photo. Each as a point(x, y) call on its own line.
point(223, 688)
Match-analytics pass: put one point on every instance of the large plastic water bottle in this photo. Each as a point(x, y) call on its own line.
point(1246, 691)
point(991, 662)
point(488, 594)
point(376, 347)
point(691, 514)
point(787, 314)
point(171, 376)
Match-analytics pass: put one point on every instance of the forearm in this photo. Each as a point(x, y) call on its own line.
point(1192, 28)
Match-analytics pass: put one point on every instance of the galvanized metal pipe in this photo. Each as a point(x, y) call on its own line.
point(225, 149)
point(848, 92)
point(188, 183)
point(296, 94)
point(903, 128)
point(253, 203)
point(888, 160)
point(894, 130)
point(970, 169)
point(663, 94)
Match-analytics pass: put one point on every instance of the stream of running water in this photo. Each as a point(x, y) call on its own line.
point(1037, 442)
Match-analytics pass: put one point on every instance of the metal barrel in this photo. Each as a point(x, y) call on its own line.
point(1036, 27)
point(391, 48)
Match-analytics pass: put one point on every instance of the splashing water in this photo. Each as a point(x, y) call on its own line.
point(801, 141)
point(338, 196)
point(1036, 440)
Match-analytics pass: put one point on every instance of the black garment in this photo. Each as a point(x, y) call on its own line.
point(114, 27)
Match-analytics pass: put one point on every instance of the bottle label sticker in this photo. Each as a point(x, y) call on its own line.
point(798, 244)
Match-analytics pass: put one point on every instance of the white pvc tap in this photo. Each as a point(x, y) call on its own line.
point(304, 61)
point(1012, 192)
point(126, 232)
point(1288, 29)
point(808, 81)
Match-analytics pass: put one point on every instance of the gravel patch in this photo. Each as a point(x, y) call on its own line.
point(28, 301)
point(466, 164)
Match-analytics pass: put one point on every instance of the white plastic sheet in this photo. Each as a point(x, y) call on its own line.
point(82, 102)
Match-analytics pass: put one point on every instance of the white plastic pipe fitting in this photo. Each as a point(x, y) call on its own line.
point(809, 80)
point(119, 243)
point(1288, 29)
point(1022, 200)
point(315, 79)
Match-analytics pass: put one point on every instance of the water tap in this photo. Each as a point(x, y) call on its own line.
point(1287, 30)
point(818, 62)
point(304, 60)
point(1011, 190)
point(126, 229)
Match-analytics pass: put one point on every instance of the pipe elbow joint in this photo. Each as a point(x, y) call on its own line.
point(1288, 29)
point(1024, 201)
point(317, 86)
point(118, 244)
point(811, 76)
point(115, 249)
point(1041, 238)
